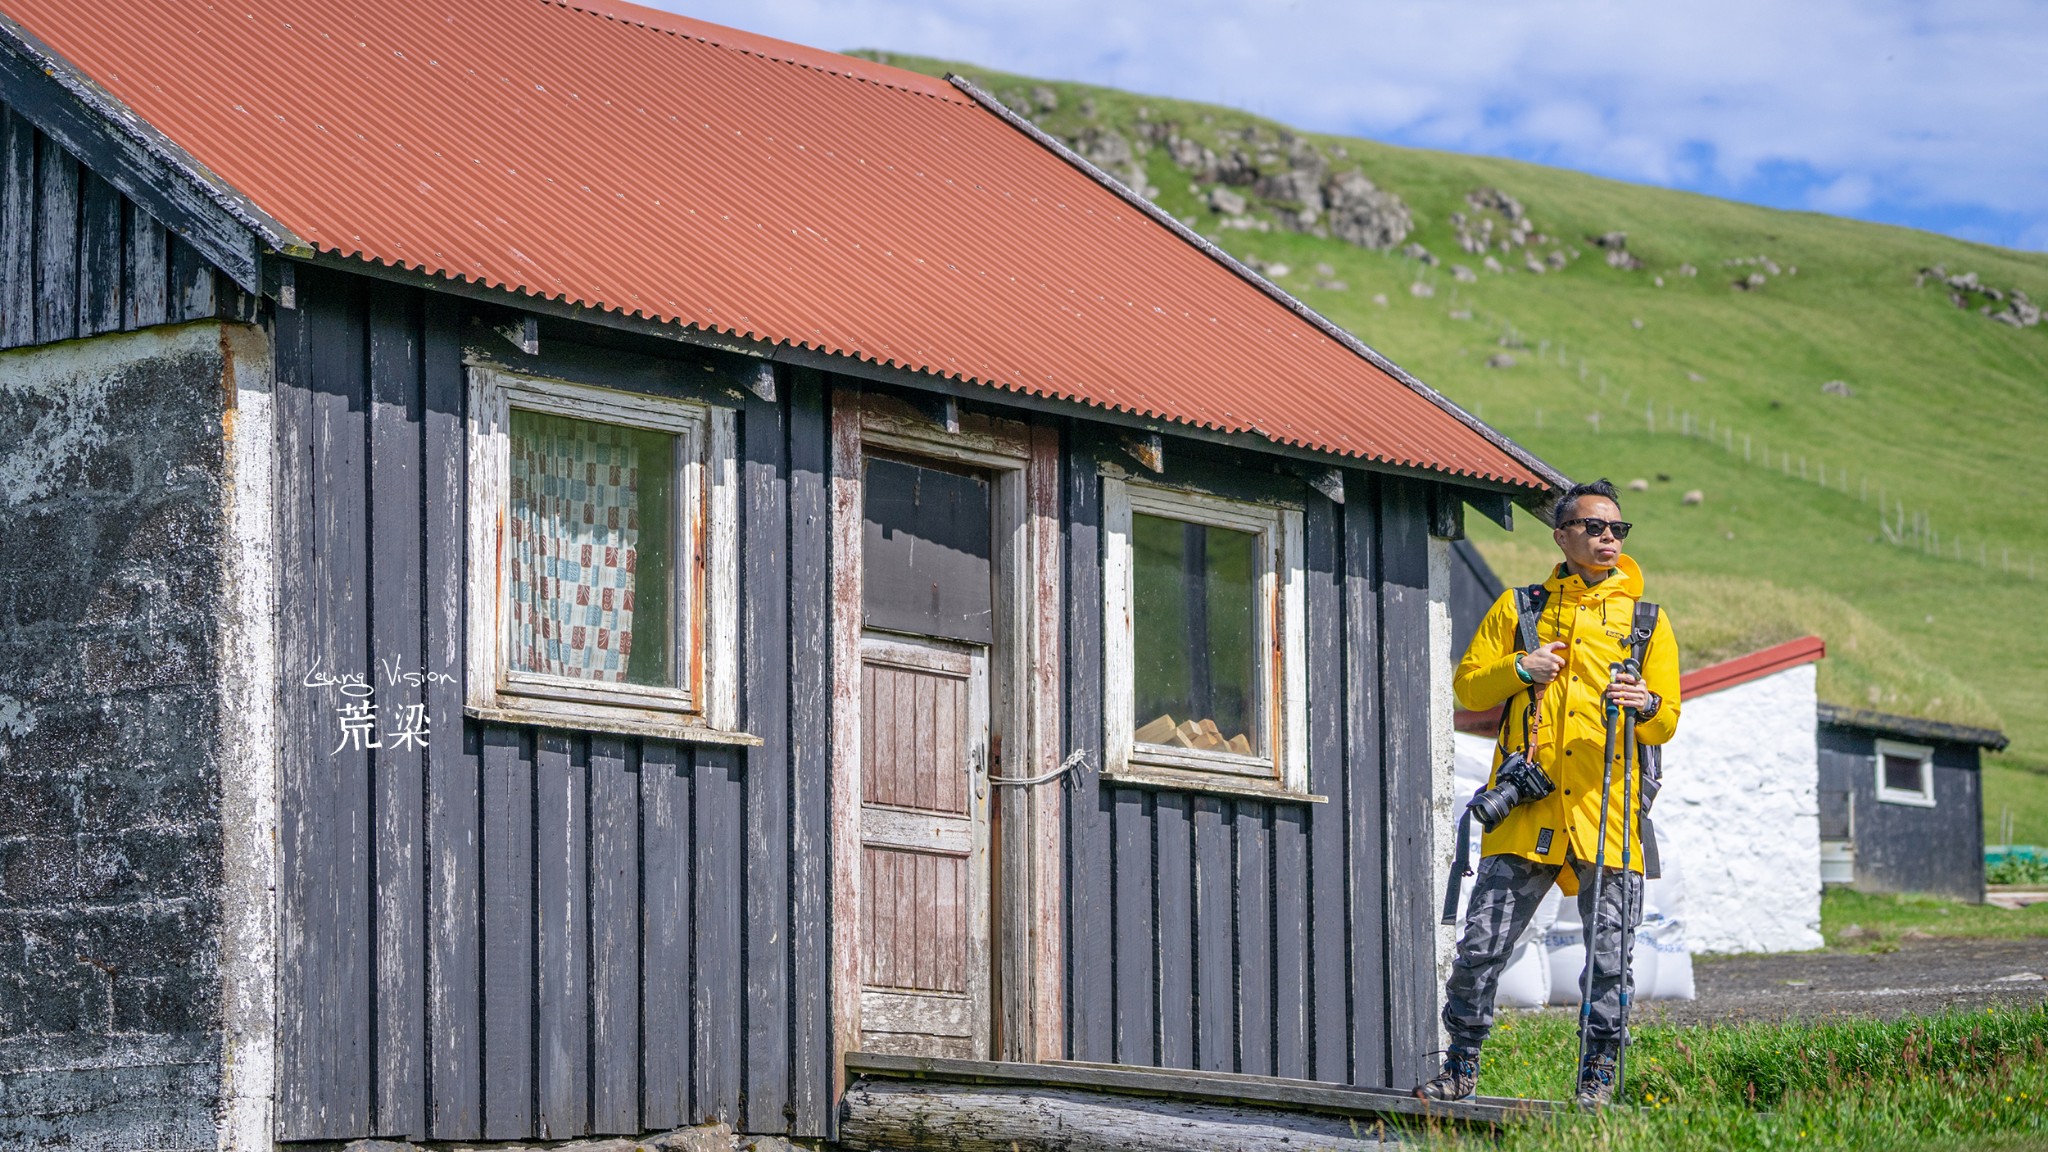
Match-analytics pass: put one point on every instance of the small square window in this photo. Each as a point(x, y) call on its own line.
point(602, 546)
point(1203, 618)
point(1905, 773)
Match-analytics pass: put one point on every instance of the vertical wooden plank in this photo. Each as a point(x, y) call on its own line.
point(846, 735)
point(146, 268)
point(396, 604)
point(508, 893)
point(304, 836)
point(1174, 896)
point(454, 760)
point(766, 658)
point(1048, 827)
point(614, 937)
point(191, 291)
point(99, 257)
point(1133, 945)
point(56, 259)
point(1330, 954)
point(1215, 938)
point(665, 855)
point(718, 871)
point(1365, 797)
point(1290, 940)
point(325, 1072)
point(562, 885)
point(810, 749)
point(17, 230)
point(1254, 939)
point(1405, 702)
point(1092, 926)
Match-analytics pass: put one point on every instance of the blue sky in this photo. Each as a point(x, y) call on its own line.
point(1933, 116)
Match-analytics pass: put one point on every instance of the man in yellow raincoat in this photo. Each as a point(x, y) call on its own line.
point(1587, 617)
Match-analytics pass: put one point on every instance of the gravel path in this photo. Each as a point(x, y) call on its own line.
point(1921, 978)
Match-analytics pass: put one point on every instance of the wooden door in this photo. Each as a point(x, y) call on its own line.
point(924, 872)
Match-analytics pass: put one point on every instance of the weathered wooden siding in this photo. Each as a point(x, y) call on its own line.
point(1901, 847)
point(519, 932)
point(79, 259)
point(1244, 935)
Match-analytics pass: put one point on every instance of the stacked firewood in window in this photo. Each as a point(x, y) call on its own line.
point(1199, 735)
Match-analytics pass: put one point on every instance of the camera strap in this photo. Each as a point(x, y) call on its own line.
point(1529, 603)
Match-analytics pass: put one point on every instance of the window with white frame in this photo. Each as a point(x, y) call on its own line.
point(602, 546)
point(1204, 669)
point(1905, 773)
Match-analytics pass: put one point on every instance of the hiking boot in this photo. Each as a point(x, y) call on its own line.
point(1596, 1080)
point(1458, 1081)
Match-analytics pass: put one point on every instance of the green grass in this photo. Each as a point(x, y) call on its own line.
point(1963, 1080)
point(2023, 794)
point(1865, 921)
point(1947, 412)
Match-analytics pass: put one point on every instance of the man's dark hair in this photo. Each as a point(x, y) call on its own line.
point(1568, 501)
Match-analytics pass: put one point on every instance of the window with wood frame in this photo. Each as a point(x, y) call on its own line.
point(602, 548)
point(1905, 773)
point(1203, 669)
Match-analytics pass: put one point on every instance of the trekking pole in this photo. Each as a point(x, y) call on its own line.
point(1631, 763)
point(1592, 926)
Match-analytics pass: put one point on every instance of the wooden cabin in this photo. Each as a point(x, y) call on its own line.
point(1902, 802)
point(578, 572)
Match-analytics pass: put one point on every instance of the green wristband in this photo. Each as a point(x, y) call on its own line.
point(1521, 671)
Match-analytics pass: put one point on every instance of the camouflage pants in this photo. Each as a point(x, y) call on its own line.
point(1505, 894)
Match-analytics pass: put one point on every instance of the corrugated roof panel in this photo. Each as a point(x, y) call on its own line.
point(636, 161)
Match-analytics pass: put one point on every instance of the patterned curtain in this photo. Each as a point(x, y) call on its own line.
point(575, 541)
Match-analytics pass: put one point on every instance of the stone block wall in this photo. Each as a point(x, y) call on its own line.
point(111, 526)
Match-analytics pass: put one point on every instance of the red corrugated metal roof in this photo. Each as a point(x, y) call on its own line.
point(635, 161)
point(1755, 666)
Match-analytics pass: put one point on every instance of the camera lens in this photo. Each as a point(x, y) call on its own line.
point(1493, 805)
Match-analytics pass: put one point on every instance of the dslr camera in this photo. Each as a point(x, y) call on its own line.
point(1517, 781)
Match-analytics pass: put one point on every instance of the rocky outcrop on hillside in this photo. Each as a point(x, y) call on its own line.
point(1762, 270)
point(1292, 178)
point(1494, 221)
point(1615, 244)
point(1966, 290)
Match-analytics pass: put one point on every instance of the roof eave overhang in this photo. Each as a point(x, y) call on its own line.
point(135, 157)
point(1491, 497)
point(1912, 727)
point(1550, 476)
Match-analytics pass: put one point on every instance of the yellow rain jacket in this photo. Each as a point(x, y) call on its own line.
point(1571, 731)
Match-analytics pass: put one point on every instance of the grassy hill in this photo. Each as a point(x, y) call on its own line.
point(1867, 454)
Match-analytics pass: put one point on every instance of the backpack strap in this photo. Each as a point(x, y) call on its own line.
point(1649, 757)
point(1641, 629)
point(1529, 604)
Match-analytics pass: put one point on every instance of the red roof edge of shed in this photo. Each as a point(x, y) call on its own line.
point(1549, 475)
point(1755, 666)
point(1698, 682)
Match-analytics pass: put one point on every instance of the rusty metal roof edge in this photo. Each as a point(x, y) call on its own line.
point(111, 111)
point(1334, 331)
point(880, 372)
point(754, 44)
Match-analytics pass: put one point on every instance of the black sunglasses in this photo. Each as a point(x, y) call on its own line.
point(1596, 528)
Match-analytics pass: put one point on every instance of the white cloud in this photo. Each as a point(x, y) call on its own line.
point(1897, 109)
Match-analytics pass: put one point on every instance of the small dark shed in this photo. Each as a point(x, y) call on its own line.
point(1902, 802)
